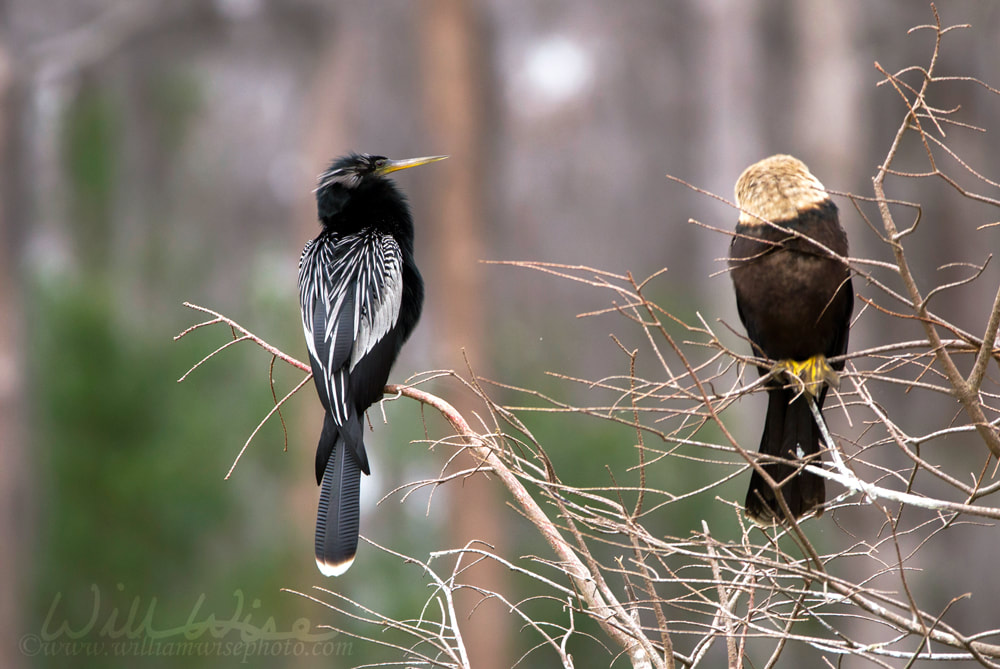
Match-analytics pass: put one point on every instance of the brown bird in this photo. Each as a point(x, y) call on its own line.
point(795, 300)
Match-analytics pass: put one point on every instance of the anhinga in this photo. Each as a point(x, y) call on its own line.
point(795, 300)
point(361, 296)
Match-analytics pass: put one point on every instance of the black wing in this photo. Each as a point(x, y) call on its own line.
point(350, 288)
point(846, 303)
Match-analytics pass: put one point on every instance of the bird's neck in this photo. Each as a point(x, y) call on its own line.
point(379, 207)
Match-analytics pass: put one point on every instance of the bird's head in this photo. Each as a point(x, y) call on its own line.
point(350, 174)
point(777, 189)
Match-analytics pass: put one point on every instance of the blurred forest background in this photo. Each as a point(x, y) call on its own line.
point(162, 151)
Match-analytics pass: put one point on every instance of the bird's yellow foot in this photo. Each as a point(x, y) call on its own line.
point(812, 373)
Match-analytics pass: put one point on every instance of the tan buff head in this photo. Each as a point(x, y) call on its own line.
point(777, 189)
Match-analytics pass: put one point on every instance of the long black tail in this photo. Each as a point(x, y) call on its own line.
point(339, 508)
point(789, 432)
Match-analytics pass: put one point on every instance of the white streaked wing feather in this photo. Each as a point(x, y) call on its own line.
point(382, 311)
point(368, 264)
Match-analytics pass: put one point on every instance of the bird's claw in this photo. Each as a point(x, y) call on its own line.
point(812, 374)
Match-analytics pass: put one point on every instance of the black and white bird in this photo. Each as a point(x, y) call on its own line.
point(361, 296)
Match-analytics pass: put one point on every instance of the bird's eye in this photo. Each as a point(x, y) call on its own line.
point(379, 162)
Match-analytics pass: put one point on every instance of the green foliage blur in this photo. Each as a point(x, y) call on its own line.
point(145, 555)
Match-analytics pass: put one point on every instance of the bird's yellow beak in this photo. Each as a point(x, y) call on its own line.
point(396, 165)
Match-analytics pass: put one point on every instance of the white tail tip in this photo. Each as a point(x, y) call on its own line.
point(330, 569)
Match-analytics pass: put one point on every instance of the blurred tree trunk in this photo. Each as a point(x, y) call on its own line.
point(13, 460)
point(453, 65)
